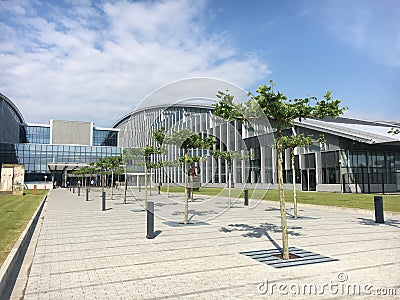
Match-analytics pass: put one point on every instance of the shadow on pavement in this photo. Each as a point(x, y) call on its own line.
point(258, 231)
point(371, 222)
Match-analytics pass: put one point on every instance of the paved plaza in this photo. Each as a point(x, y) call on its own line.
point(86, 253)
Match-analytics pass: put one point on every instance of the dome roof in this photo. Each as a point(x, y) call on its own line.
point(192, 91)
point(199, 91)
point(13, 107)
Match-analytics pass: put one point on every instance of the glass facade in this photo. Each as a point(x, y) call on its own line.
point(35, 157)
point(105, 137)
point(35, 134)
point(369, 167)
point(288, 173)
point(10, 119)
point(330, 167)
point(35, 151)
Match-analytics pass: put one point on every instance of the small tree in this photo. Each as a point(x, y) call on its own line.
point(148, 151)
point(190, 162)
point(132, 156)
point(291, 142)
point(168, 165)
point(103, 167)
point(186, 140)
point(228, 156)
point(91, 170)
point(159, 137)
point(276, 107)
point(114, 163)
point(77, 173)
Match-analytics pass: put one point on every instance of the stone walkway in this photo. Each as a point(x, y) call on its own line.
point(86, 253)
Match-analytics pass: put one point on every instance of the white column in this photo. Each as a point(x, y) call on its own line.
point(262, 154)
point(274, 165)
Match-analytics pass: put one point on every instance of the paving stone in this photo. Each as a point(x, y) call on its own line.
point(84, 253)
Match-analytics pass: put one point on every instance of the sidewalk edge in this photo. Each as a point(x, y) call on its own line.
point(18, 251)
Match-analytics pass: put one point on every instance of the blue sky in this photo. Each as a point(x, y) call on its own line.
point(96, 60)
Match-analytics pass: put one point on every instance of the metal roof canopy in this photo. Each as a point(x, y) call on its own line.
point(362, 133)
point(56, 166)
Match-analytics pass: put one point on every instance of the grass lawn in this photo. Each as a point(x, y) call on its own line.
point(364, 201)
point(15, 213)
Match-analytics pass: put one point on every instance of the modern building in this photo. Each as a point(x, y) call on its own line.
point(358, 156)
point(52, 151)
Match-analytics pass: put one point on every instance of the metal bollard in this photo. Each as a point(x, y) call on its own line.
point(246, 197)
point(150, 220)
point(79, 190)
point(378, 204)
point(73, 190)
point(103, 201)
point(140, 188)
point(87, 194)
point(159, 189)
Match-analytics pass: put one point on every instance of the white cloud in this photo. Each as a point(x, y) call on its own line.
point(90, 61)
point(372, 27)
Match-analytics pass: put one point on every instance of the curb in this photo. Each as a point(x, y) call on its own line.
point(7, 270)
point(349, 209)
point(391, 214)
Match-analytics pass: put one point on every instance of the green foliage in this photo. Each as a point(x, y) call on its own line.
point(190, 160)
point(172, 163)
point(156, 165)
point(276, 106)
point(133, 154)
point(102, 165)
point(229, 156)
point(159, 136)
point(186, 139)
point(293, 141)
point(149, 150)
point(227, 109)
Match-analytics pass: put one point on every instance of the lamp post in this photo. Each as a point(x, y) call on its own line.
point(45, 178)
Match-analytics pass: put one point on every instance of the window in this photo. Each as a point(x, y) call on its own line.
point(330, 167)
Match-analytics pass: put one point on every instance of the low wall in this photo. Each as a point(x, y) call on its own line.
point(17, 253)
point(335, 188)
point(39, 185)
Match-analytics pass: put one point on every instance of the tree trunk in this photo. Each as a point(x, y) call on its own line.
point(186, 213)
point(294, 183)
point(285, 243)
point(168, 180)
point(102, 182)
point(151, 178)
point(112, 184)
point(159, 177)
point(125, 185)
point(229, 183)
point(145, 185)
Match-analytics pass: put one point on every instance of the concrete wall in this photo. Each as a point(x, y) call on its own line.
point(71, 133)
point(329, 188)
